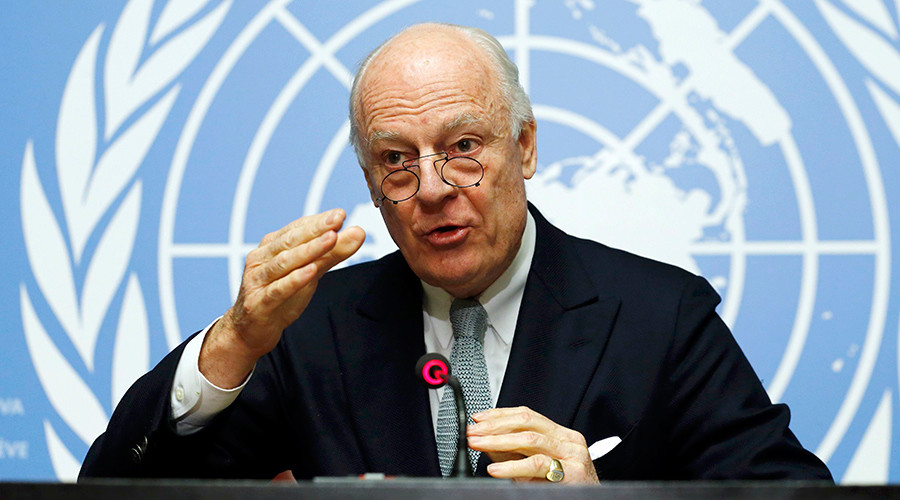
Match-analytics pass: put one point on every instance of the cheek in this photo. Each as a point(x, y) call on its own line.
point(507, 187)
point(397, 221)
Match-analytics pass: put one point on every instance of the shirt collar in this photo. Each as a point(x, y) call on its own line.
point(502, 298)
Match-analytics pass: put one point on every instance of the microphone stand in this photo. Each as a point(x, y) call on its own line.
point(462, 465)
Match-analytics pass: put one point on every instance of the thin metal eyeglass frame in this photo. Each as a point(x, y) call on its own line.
point(414, 162)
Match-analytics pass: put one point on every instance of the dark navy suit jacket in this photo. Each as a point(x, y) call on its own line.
point(606, 343)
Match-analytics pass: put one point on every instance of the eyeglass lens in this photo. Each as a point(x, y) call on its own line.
point(462, 172)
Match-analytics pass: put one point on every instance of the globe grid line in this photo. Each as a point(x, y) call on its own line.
point(324, 52)
point(809, 270)
point(737, 273)
point(881, 275)
point(742, 30)
point(179, 161)
point(747, 25)
point(320, 55)
point(522, 32)
point(192, 126)
point(325, 167)
point(731, 305)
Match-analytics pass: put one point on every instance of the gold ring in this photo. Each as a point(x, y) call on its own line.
point(555, 474)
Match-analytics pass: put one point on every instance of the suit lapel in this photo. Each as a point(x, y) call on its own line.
point(379, 344)
point(561, 331)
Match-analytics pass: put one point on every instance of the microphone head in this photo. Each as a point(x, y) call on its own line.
point(433, 369)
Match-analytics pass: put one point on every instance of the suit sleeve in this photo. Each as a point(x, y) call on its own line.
point(723, 424)
point(140, 440)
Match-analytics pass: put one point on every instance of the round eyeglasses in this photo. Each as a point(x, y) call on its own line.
point(403, 184)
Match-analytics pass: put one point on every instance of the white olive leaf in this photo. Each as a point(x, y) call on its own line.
point(89, 187)
point(65, 389)
point(174, 14)
point(172, 57)
point(46, 248)
point(106, 271)
point(888, 107)
point(872, 51)
point(76, 140)
point(65, 465)
point(876, 13)
point(119, 163)
point(125, 48)
point(131, 352)
point(125, 91)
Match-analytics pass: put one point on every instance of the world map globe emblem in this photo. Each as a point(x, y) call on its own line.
point(668, 134)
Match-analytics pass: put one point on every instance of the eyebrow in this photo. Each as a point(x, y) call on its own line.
point(381, 135)
point(461, 120)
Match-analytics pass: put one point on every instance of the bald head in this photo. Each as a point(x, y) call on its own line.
point(429, 48)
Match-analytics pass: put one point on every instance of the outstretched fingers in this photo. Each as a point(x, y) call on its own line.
point(306, 228)
point(280, 277)
point(296, 234)
point(347, 243)
point(268, 267)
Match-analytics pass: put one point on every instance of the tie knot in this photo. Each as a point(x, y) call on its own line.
point(468, 317)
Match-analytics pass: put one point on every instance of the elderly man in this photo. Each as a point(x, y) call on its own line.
point(572, 349)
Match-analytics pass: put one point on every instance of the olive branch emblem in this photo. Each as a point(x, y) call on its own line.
point(870, 42)
point(100, 196)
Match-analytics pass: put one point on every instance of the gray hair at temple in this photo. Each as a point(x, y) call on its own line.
point(512, 95)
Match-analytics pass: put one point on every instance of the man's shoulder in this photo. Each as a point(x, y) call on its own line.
point(624, 261)
point(637, 278)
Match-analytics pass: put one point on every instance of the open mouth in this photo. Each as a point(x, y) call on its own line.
point(447, 235)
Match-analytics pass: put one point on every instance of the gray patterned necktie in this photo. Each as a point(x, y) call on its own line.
point(469, 322)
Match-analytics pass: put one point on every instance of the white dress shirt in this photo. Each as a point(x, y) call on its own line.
point(501, 300)
point(195, 400)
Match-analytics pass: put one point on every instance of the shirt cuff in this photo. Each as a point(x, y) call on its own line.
point(194, 399)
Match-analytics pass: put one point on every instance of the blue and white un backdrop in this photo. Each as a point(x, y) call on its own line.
point(148, 146)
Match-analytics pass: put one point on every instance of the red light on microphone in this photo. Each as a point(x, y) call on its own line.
point(433, 370)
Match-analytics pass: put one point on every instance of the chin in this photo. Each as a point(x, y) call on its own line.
point(460, 282)
point(445, 279)
point(458, 270)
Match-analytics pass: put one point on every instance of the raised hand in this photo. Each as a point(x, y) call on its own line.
point(279, 279)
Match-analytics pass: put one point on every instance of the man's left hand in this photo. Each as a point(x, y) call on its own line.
point(522, 442)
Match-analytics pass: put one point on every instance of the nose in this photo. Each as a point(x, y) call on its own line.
point(432, 189)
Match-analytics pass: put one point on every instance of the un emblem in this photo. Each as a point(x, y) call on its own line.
point(666, 127)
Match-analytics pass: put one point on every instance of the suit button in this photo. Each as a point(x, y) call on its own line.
point(136, 455)
point(137, 451)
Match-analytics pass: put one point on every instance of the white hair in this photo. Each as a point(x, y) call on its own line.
point(512, 95)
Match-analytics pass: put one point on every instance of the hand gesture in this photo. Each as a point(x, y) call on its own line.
point(279, 279)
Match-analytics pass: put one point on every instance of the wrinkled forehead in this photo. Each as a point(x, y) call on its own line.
point(422, 63)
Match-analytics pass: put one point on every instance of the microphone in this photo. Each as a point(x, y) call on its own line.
point(434, 371)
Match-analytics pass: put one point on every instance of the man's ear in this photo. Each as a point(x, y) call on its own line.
point(528, 146)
